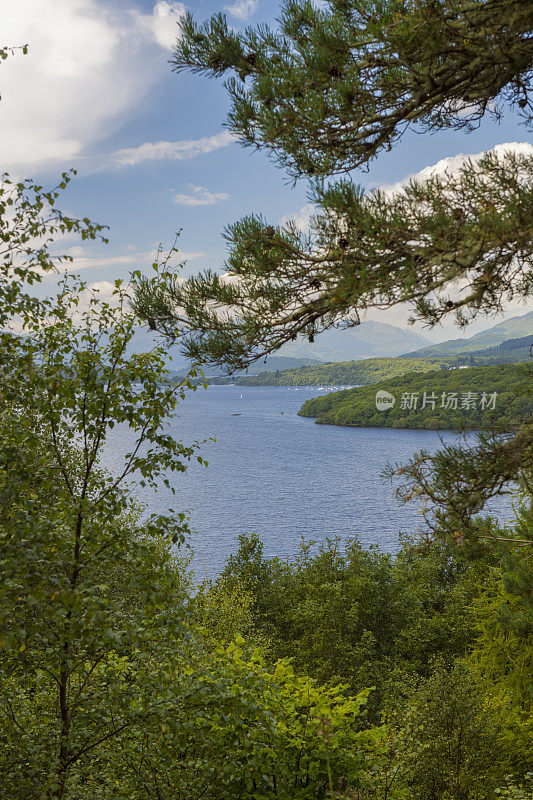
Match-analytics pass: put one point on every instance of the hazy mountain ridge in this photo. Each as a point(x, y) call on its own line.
point(145, 340)
point(371, 370)
point(368, 340)
point(514, 328)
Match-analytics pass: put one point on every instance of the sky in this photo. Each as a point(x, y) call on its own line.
point(96, 93)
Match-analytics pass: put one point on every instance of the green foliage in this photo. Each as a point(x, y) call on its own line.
point(65, 527)
point(85, 585)
point(512, 791)
point(502, 655)
point(342, 613)
point(448, 653)
point(357, 407)
point(118, 635)
point(436, 584)
point(240, 730)
point(447, 743)
point(29, 223)
point(223, 611)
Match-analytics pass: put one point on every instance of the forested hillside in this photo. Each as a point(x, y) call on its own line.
point(418, 629)
point(470, 398)
point(370, 370)
point(361, 372)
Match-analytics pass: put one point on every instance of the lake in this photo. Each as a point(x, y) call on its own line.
point(282, 476)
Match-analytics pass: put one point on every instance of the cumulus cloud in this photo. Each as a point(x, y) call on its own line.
point(199, 196)
point(103, 289)
point(89, 65)
point(452, 164)
point(301, 218)
point(176, 151)
point(88, 261)
point(242, 9)
point(165, 18)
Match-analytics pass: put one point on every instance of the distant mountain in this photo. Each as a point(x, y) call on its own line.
point(272, 364)
point(371, 370)
point(514, 328)
point(512, 351)
point(524, 342)
point(145, 340)
point(368, 340)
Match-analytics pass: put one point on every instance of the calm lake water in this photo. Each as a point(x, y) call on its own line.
point(282, 476)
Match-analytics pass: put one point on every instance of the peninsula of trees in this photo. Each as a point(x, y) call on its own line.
point(478, 397)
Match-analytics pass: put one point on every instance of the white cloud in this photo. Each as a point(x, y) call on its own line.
point(90, 262)
point(165, 17)
point(453, 164)
point(76, 251)
point(230, 278)
point(242, 9)
point(84, 259)
point(177, 151)
point(199, 196)
point(104, 289)
point(89, 65)
point(301, 218)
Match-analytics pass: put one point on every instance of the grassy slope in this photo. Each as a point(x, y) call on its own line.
point(356, 407)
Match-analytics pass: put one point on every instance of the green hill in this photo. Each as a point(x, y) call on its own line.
point(370, 370)
point(478, 397)
point(514, 328)
point(513, 351)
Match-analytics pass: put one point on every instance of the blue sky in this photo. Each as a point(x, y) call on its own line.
point(96, 93)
